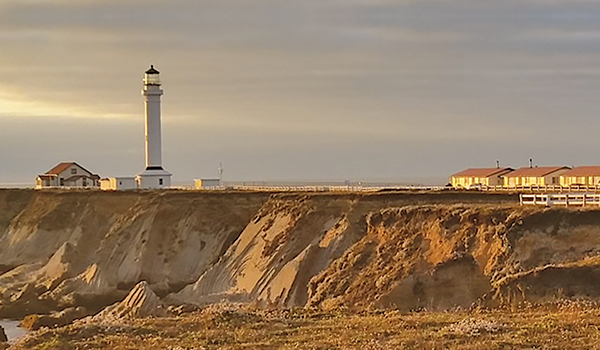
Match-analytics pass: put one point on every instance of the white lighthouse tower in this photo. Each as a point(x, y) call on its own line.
point(154, 176)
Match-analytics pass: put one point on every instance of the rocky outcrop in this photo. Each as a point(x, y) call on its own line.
point(140, 302)
point(438, 257)
point(291, 239)
point(56, 319)
point(62, 250)
point(23, 300)
point(304, 251)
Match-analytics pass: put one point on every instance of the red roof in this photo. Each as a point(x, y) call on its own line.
point(59, 168)
point(482, 172)
point(589, 170)
point(64, 166)
point(536, 171)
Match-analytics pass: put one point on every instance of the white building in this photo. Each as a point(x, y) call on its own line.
point(207, 184)
point(67, 174)
point(154, 176)
point(118, 183)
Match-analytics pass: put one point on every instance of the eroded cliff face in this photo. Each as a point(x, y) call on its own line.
point(404, 250)
point(292, 239)
point(61, 249)
point(362, 252)
point(439, 257)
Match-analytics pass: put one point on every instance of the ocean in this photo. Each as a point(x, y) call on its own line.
point(13, 332)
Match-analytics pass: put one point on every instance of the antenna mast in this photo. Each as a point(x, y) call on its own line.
point(220, 172)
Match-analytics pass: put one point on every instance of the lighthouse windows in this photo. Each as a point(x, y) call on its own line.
point(151, 79)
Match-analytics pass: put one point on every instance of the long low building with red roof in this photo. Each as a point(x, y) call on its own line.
point(578, 178)
point(535, 176)
point(588, 175)
point(479, 177)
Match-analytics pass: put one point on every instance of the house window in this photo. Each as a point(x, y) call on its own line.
point(84, 182)
point(62, 181)
point(73, 171)
point(160, 181)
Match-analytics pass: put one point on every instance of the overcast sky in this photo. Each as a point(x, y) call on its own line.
point(300, 90)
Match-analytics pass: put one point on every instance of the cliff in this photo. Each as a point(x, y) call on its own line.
point(64, 249)
point(405, 250)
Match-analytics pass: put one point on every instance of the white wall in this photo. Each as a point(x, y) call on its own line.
point(200, 184)
point(152, 95)
point(124, 183)
point(153, 181)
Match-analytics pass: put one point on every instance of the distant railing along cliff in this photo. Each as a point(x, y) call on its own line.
point(565, 199)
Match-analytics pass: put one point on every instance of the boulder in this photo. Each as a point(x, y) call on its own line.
point(25, 302)
point(57, 319)
point(140, 302)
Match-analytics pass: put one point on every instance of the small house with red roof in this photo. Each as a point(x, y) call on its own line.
point(479, 177)
point(67, 174)
point(535, 176)
point(581, 176)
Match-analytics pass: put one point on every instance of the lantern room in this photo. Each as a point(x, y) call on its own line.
point(152, 77)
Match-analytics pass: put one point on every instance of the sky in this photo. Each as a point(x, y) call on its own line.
point(312, 90)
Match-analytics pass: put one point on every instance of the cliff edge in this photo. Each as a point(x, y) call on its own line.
point(406, 250)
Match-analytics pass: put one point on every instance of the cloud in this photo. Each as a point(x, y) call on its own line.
point(399, 87)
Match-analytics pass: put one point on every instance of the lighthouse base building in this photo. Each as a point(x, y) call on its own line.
point(153, 179)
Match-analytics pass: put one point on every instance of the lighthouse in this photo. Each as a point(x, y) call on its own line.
point(154, 176)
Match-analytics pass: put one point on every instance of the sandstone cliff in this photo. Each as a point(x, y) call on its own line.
point(64, 249)
point(61, 250)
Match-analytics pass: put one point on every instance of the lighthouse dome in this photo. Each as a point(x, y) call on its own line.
point(152, 70)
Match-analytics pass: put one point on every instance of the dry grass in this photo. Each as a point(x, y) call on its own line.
point(562, 325)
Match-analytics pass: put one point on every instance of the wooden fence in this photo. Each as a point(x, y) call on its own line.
point(564, 199)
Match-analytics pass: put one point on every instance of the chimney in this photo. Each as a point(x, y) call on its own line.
point(531, 162)
point(497, 164)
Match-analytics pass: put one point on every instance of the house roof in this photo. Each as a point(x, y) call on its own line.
point(60, 168)
point(588, 170)
point(64, 166)
point(481, 172)
point(536, 171)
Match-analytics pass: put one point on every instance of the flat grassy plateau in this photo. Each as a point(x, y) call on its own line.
point(559, 325)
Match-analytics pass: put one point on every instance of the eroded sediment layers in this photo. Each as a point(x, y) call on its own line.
point(405, 250)
point(63, 249)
